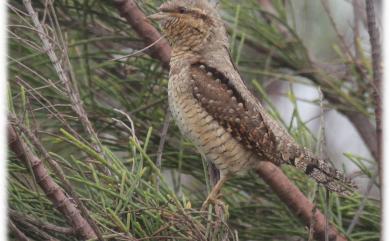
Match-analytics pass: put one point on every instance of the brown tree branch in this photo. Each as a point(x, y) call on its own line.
point(377, 71)
point(52, 190)
point(59, 172)
point(35, 230)
point(297, 201)
point(138, 21)
point(274, 176)
point(17, 232)
point(376, 55)
point(15, 215)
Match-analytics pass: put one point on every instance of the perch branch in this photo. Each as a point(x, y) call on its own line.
point(52, 190)
point(297, 202)
point(129, 10)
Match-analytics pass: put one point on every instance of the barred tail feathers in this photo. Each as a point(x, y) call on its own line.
point(322, 172)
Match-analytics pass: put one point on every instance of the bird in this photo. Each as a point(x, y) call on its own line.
point(214, 108)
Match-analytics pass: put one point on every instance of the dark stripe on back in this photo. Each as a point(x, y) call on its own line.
point(310, 168)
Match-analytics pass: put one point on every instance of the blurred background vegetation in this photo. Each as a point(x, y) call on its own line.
point(309, 62)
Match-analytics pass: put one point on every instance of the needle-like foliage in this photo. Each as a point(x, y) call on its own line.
point(96, 124)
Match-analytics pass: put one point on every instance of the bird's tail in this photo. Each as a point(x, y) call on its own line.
point(321, 171)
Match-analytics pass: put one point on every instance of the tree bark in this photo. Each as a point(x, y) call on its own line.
point(129, 10)
point(52, 190)
point(297, 202)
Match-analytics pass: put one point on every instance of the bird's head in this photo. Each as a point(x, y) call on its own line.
point(188, 24)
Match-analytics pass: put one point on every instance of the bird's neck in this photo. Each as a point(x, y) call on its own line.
point(184, 55)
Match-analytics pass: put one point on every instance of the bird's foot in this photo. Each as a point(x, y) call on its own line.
point(211, 199)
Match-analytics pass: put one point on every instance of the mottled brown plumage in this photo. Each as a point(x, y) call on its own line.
point(213, 107)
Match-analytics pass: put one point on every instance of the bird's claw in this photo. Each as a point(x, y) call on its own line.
point(211, 200)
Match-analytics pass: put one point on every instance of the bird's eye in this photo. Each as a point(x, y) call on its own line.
point(182, 10)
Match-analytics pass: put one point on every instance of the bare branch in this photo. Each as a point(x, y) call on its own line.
point(39, 223)
point(17, 232)
point(376, 55)
point(53, 192)
point(138, 21)
point(38, 232)
point(60, 173)
point(377, 70)
point(296, 201)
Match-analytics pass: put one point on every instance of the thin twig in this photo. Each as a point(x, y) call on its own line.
point(46, 104)
point(321, 152)
point(138, 51)
point(39, 223)
point(17, 232)
point(137, 19)
point(38, 232)
point(327, 212)
point(345, 48)
point(356, 29)
point(72, 92)
point(163, 136)
point(363, 203)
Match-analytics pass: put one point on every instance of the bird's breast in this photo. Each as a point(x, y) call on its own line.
point(211, 139)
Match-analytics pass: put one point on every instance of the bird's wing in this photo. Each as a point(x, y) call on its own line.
point(252, 128)
point(221, 100)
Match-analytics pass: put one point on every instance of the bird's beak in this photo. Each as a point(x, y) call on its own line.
point(158, 16)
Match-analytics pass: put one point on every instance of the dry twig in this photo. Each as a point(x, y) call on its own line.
point(72, 92)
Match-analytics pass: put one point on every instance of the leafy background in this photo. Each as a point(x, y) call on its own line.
point(293, 55)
